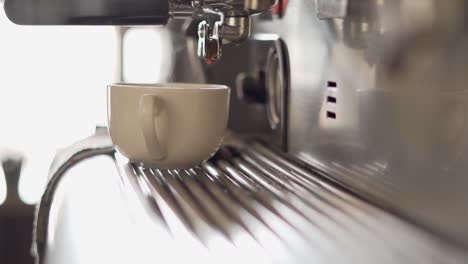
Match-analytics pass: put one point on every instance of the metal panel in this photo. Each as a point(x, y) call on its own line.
point(379, 102)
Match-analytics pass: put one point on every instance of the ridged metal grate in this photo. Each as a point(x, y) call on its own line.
point(273, 210)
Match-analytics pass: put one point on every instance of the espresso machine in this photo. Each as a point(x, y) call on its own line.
point(347, 137)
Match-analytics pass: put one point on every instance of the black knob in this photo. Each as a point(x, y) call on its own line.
point(251, 88)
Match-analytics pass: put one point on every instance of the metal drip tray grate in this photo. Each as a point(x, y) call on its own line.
point(267, 209)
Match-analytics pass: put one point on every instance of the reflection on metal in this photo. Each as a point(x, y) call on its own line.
point(98, 144)
point(401, 100)
point(250, 204)
point(277, 87)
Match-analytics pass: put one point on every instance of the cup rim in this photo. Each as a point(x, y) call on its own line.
point(171, 86)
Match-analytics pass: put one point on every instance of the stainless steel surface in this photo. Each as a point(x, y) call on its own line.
point(378, 102)
point(259, 71)
point(231, 8)
point(277, 90)
point(331, 8)
point(247, 204)
point(236, 29)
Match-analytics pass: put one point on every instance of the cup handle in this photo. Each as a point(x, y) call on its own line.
point(150, 107)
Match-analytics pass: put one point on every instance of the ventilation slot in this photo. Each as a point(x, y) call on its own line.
point(331, 84)
point(331, 99)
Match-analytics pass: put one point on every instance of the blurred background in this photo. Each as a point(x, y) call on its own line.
point(52, 93)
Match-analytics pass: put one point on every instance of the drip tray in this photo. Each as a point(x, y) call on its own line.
point(250, 204)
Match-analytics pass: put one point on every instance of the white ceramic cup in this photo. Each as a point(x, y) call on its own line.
point(167, 126)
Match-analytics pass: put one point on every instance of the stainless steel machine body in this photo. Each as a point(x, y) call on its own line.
point(371, 93)
point(378, 102)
